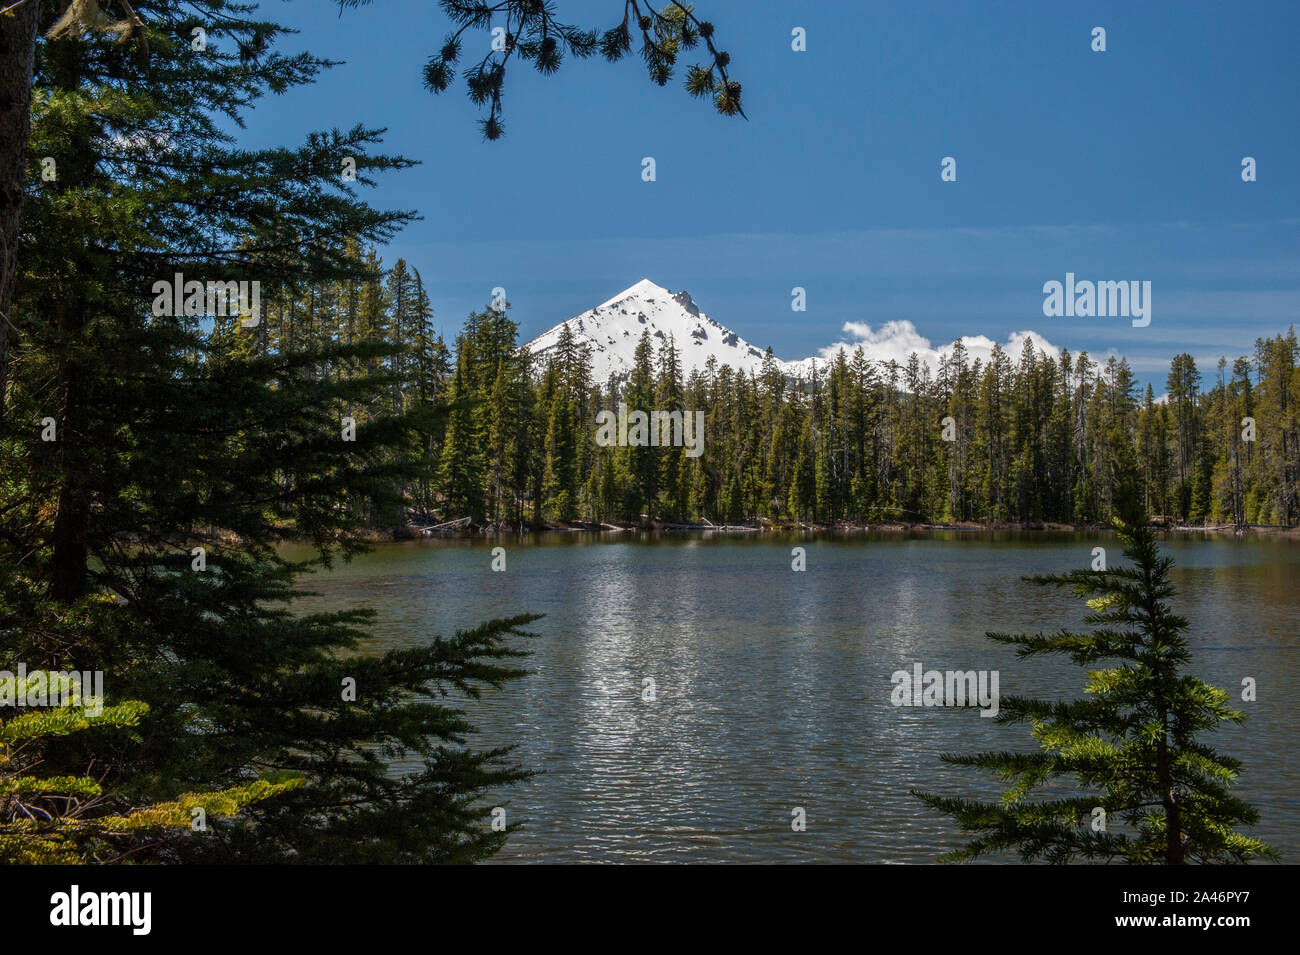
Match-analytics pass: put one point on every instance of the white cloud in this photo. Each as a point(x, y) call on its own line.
point(898, 340)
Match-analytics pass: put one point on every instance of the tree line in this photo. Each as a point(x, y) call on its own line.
point(1042, 438)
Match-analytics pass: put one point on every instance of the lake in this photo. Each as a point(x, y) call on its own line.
point(772, 688)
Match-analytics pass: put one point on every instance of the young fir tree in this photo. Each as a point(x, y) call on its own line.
point(1132, 749)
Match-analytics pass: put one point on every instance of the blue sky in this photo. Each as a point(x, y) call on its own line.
point(1117, 165)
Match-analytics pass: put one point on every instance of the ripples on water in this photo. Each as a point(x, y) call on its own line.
point(773, 686)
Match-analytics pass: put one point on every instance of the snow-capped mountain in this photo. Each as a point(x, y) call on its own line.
point(613, 328)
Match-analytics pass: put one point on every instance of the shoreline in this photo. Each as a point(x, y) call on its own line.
point(464, 529)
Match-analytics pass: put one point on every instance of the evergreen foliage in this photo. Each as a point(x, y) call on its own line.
point(58, 820)
point(1045, 439)
point(529, 30)
point(1133, 748)
point(152, 462)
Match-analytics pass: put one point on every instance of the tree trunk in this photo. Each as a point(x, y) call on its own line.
point(17, 60)
point(1173, 815)
point(70, 539)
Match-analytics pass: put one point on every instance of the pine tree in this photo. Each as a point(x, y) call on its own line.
point(142, 540)
point(643, 461)
point(1133, 748)
point(1278, 360)
point(402, 331)
point(461, 462)
point(668, 397)
point(533, 34)
point(1182, 386)
point(429, 369)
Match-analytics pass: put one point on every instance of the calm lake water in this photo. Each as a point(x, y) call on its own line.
point(773, 687)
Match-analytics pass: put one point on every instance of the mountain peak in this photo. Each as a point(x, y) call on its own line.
point(613, 328)
point(644, 289)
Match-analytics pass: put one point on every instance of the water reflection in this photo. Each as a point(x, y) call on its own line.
point(772, 687)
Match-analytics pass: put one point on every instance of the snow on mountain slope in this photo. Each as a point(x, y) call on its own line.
point(613, 329)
